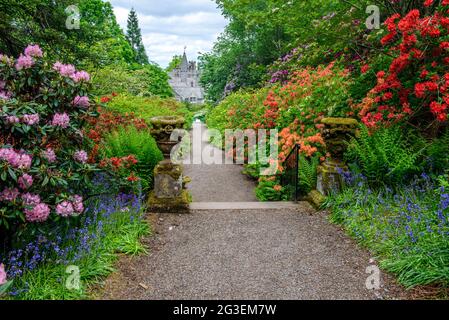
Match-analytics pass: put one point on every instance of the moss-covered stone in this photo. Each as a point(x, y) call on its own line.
point(329, 179)
point(185, 181)
point(335, 122)
point(168, 168)
point(163, 128)
point(316, 199)
point(175, 205)
point(337, 132)
point(161, 122)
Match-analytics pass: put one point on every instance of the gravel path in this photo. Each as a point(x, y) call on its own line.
point(279, 253)
point(252, 254)
point(218, 183)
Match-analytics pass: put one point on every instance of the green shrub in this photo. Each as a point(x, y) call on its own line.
point(266, 191)
point(239, 110)
point(437, 156)
point(384, 156)
point(146, 81)
point(147, 108)
point(308, 173)
point(140, 143)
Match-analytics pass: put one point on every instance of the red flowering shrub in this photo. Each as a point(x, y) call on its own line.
point(105, 123)
point(415, 87)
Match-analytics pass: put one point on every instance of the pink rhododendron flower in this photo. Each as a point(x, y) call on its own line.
point(31, 199)
point(39, 213)
point(33, 51)
point(25, 181)
point(2, 84)
point(78, 204)
point(50, 155)
point(81, 156)
point(24, 62)
point(9, 194)
point(61, 120)
point(7, 154)
point(23, 161)
point(31, 119)
point(15, 159)
point(82, 102)
point(12, 119)
point(80, 76)
point(3, 276)
point(66, 70)
point(65, 209)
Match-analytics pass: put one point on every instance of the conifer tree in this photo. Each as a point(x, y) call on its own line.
point(134, 36)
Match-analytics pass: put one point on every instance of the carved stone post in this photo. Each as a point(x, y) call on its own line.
point(337, 133)
point(169, 193)
point(162, 130)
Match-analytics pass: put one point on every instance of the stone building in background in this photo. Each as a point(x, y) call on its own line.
point(185, 81)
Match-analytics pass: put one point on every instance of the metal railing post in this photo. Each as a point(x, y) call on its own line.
point(297, 174)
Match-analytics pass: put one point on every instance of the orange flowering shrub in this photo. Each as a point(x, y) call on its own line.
point(294, 108)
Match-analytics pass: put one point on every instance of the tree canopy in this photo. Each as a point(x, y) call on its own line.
point(98, 40)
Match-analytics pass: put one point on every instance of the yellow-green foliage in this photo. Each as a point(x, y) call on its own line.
point(147, 108)
point(238, 110)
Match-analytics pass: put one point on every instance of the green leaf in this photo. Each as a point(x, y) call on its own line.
point(12, 174)
point(45, 182)
point(5, 287)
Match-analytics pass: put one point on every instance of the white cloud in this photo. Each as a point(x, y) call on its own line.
point(167, 26)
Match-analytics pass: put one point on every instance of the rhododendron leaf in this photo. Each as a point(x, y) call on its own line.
point(4, 288)
point(12, 174)
point(45, 182)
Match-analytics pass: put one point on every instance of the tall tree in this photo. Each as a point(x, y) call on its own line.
point(134, 36)
point(98, 41)
point(174, 63)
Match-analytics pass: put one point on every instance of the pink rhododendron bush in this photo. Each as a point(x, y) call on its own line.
point(43, 156)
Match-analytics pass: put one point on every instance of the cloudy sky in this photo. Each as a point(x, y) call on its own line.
point(170, 25)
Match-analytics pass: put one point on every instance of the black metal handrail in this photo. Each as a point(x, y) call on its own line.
point(290, 177)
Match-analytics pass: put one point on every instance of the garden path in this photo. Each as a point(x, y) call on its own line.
point(220, 182)
point(217, 252)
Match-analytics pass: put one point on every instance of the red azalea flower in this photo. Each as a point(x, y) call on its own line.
point(365, 68)
point(105, 99)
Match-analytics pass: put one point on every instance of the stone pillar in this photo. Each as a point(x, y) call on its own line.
point(337, 133)
point(169, 193)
